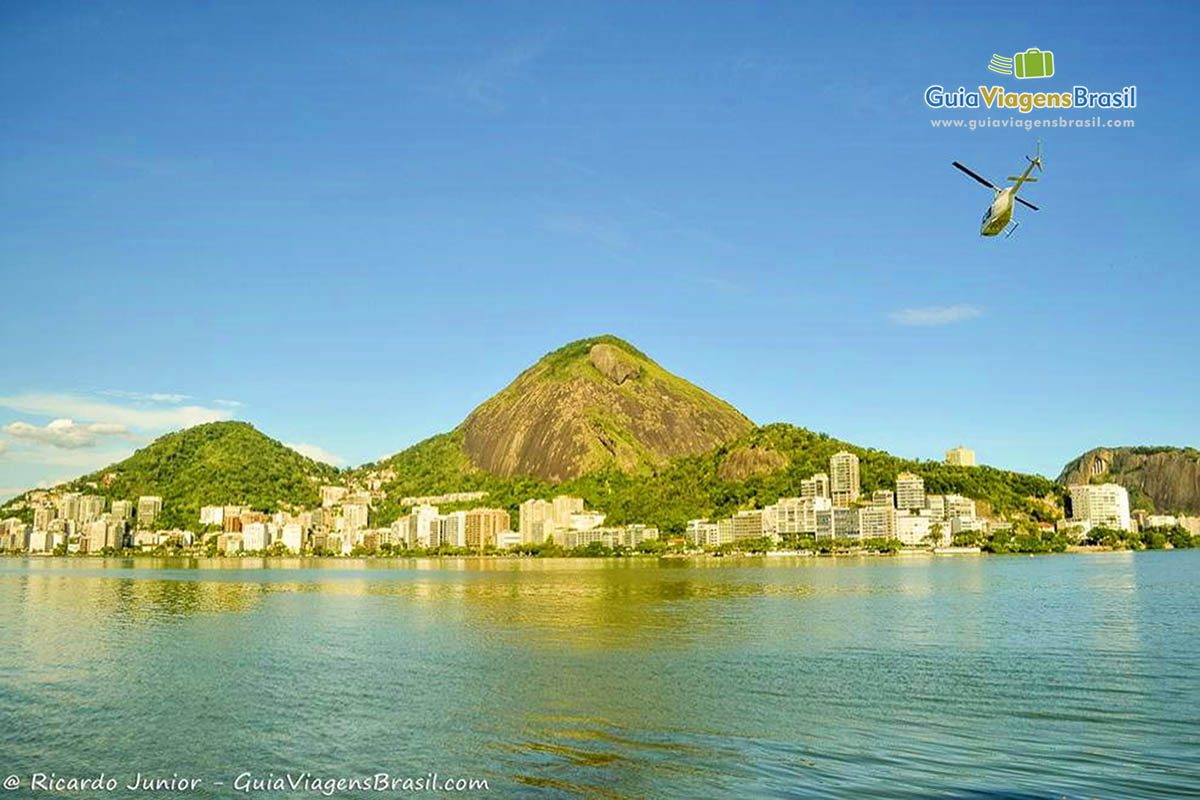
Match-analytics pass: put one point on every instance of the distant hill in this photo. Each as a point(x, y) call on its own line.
point(1163, 479)
point(595, 404)
point(214, 464)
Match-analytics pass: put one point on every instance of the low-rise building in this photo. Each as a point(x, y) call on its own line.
point(816, 486)
point(921, 526)
point(212, 515)
point(877, 521)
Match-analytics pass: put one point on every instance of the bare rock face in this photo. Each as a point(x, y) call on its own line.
point(1168, 476)
point(595, 404)
point(612, 364)
point(745, 462)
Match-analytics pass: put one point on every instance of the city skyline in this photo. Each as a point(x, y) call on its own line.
point(341, 207)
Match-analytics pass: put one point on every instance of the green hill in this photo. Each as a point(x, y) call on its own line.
point(214, 464)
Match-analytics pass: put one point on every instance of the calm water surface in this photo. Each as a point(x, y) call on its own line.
point(975, 677)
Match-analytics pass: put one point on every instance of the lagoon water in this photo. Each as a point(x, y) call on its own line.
point(972, 677)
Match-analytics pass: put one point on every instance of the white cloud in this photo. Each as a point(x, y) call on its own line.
point(317, 453)
point(935, 315)
point(78, 461)
point(75, 407)
point(66, 433)
point(3, 447)
point(149, 397)
point(229, 403)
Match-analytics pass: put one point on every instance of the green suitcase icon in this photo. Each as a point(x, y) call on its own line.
point(1034, 63)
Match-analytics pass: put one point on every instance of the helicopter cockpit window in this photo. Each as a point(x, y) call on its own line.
point(987, 213)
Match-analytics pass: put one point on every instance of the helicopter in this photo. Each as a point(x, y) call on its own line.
point(999, 213)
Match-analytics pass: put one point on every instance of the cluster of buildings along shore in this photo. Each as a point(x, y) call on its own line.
point(830, 506)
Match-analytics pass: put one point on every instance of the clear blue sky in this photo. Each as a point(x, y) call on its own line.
point(351, 223)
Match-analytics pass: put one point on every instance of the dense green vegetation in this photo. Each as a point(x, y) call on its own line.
point(1149, 539)
point(214, 464)
point(691, 487)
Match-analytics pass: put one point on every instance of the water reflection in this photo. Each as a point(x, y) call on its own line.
point(772, 677)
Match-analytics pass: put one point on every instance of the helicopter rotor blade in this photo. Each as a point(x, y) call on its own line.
point(982, 180)
point(1026, 203)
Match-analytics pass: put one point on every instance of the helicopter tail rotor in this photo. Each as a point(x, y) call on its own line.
point(1037, 158)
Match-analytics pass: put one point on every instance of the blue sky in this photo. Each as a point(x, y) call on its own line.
point(351, 223)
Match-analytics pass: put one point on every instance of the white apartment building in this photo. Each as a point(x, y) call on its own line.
point(705, 533)
point(1105, 504)
point(917, 527)
point(910, 491)
point(41, 541)
point(211, 515)
point(955, 505)
point(838, 522)
point(292, 537)
point(564, 506)
point(816, 486)
point(332, 495)
point(877, 521)
point(91, 506)
point(423, 527)
point(530, 513)
point(355, 516)
point(254, 536)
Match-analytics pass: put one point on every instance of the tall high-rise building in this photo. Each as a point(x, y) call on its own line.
point(816, 486)
point(960, 457)
point(1105, 505)
point(910, 491)
point(254, 536)
point(43, 516)
point(423, 530)
point(68, 506)
point(531, 518)
point(355, 516)
point(91, 506)
point(148, 509)
point(292, 537)
point(844, 483)
point(484, 526)
point(122, 509)
point(564, 506)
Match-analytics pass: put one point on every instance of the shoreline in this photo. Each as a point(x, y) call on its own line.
point(776, 554)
